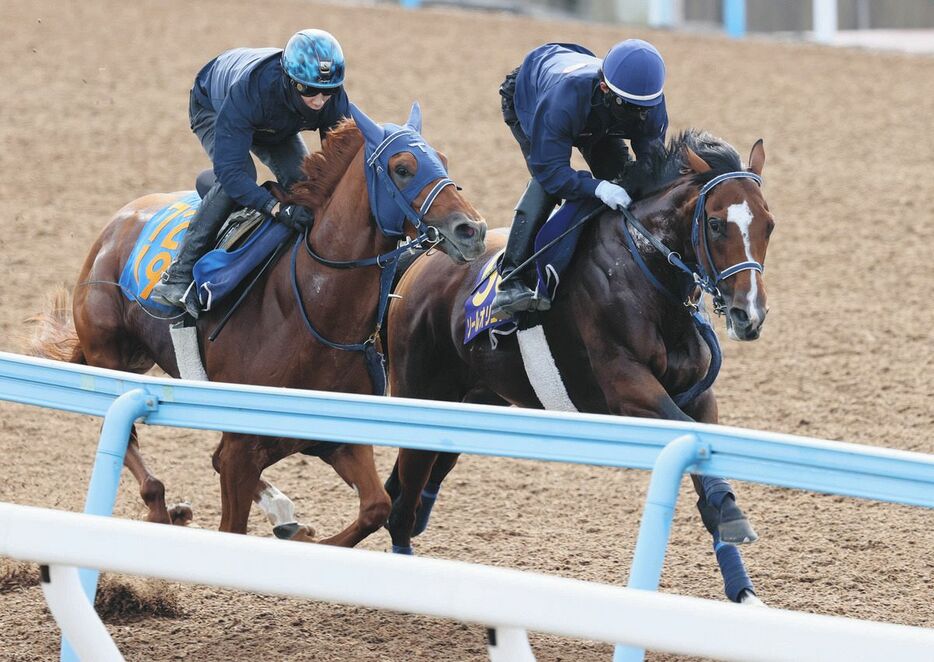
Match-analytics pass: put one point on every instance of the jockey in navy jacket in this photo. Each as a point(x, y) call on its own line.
point(256, 100)
point(559, 106)
point(563, 96)
point(255, 104)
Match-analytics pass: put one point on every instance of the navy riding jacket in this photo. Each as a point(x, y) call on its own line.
point(559, 106)
point(255, 103)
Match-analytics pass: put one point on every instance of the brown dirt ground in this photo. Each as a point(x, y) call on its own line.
point(93, 104)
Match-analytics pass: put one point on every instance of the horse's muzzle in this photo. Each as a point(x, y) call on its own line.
point(464, 238)
point(743, 326)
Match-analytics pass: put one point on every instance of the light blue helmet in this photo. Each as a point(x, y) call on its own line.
point(634, 70)
point(313, 58)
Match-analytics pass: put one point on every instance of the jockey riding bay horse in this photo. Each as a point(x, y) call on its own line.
point(293, 327)
point(624, 333)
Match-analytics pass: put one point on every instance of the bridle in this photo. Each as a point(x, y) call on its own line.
point(708, 277)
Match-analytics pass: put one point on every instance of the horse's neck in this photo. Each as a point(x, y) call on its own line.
point(341, 303)
point(667, 216)
point(345, 229)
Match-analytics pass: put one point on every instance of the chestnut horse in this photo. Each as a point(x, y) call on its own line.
point(622, 344)
point(269, 340)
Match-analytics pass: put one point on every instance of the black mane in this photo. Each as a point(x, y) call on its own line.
point(667, 164)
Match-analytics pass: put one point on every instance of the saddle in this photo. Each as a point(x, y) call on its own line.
point(246, 240)
point(554, 248)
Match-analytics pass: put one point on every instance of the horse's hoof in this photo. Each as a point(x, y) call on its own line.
point(294, 531)
point(181, 514)
point(747, 597)
point(405, 550)
point(737, 532)
point(734, 527)
point(423, 513)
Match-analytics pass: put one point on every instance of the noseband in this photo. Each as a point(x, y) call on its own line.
point(708, 280)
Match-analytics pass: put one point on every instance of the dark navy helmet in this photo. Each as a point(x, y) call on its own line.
point(313, 59)
point(635, 72)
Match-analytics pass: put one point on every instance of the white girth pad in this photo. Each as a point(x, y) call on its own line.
point(541, 369)
point(187, 355)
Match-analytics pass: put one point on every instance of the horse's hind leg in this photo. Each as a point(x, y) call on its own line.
point(151, 488)
point(355, 464)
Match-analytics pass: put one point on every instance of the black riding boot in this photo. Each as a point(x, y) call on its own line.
point(532, 211)
point(215, 208)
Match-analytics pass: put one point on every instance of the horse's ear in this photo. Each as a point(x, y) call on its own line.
point(415, 117)
point(372, 132)
point(757, 157)
point(694, 162)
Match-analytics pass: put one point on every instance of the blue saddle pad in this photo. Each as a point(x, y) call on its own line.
point(216, 274)
point(549, 266)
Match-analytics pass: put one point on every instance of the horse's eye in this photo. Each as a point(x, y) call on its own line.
point(716, 225)
point(402, 171)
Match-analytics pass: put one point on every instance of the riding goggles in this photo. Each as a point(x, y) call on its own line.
point(622, 108)
point(310, 91)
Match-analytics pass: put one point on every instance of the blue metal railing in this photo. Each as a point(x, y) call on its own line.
point(774, 459)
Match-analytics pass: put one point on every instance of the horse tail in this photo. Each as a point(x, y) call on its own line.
point(53, 334)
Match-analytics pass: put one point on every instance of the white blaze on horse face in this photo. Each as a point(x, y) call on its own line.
point(741, 215)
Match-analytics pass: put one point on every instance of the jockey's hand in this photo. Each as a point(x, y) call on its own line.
point(613, 196)
point(296, 217)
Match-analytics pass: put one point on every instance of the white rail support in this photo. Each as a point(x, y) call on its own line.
point(76, 616)
point(509, 645)
point(450, 589)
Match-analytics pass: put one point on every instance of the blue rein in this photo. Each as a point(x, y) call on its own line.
point(388, 262)
point(707, 280)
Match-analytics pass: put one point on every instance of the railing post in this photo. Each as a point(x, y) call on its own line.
point(105, 477)
point(734, 18)
point(649, 556)
point(509, 645)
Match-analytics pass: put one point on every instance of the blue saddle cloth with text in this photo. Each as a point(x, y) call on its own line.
point(549, 266)
point(216, 274)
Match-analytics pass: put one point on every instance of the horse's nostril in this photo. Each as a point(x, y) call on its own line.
point(739, 316)
point(465, 230)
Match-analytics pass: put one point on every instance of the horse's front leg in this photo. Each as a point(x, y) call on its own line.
point(631, 389)
point(719, 512)
point(409, 478)
point(151, 489)
point(355, 464)
point(239, 464)
point(280, 511)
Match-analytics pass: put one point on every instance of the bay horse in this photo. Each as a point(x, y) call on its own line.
point(622, 344)
point(270, 341)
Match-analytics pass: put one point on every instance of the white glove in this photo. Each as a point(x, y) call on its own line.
point(613, 196)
